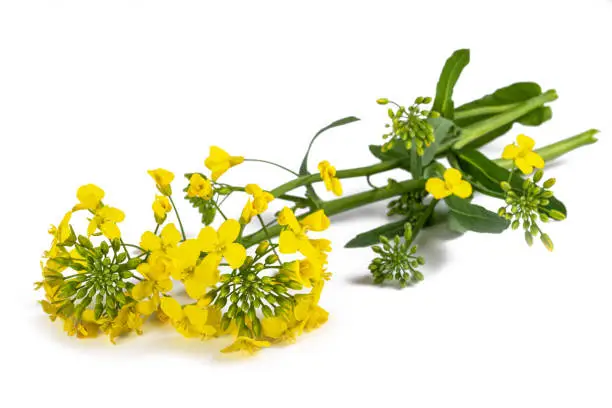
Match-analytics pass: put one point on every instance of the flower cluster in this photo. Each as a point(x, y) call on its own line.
point(260, 299)
point(409, 126)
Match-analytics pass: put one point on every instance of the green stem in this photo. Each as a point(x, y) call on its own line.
point(555, 150)
point(219, 209)
point(273, 164)
point(343, 204)
point(484, 110)
point(479, 129)
point(135, 246)
point(356, 172)
point(178, 217)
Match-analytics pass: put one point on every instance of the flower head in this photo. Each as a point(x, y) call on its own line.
point(167, 239)
point(328, 174)
point(199, 187)
point(523, 155)
point(452, 184)
point(219, 161)
point(162, 178)
point(105, 219)
point(161, 208)
point(89, 196)
point(256, 206)
point(294, 238)
point(190, 320)
point(220, 244)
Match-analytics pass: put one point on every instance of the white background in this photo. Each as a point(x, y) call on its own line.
point(101, 91)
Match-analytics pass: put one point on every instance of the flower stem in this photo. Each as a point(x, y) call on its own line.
point(479, 129)
point(555, 150)
point(178, 217)
point(349, 173)
point(273, 164)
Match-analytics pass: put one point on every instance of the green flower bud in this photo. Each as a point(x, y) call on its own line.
point(382, 101)
point(262, 248)
point(528, 238)
point(547, 242)
point(538, 175)
point(516, 224)
point(549, 183)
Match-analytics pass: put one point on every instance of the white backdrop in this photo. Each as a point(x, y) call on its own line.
point(99, 92)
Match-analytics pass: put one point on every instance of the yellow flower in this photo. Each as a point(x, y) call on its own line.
point(452, 184)
point(156, 271)
point(247, 344)
point(274, 327)
point(89, 197)
point(523, 155)
point(190, 320)
point(219, 161)
point(196, 277)
point(328, 174)
point(162, 178)
point(307, 311)
point(256, 206)
point(294, 238)
point(86, 327)
point(199, 187)
point(169, 238)
point(220, 244)
point(161, 207)
point(305, 271)
point(106, 219)
point(60, 235)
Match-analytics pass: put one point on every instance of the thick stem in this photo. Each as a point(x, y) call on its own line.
point(344, 204)
point(357, 172)
point(559, 148)
point(484, 110)
point(479, 129)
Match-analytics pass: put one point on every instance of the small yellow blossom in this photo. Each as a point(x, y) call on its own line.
point(89, 196)
point(162, 178)
point(85, 327)
point(196, 276)
point(452, 184)
point(305, 271)
point(294, 238)
point(199, 187)
point(168, 238)
point(307, 310)
point(106, 219)
point(219, 161)
point(523, 155)
point(161, 207)
point(274, 327)
point(256, 206)
point(328, 174)
point(220, 244)
point(247, 344)
point(190, 320)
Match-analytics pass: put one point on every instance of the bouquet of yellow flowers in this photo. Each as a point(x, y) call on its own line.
point(264, 287)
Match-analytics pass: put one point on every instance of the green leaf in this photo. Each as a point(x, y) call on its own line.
point(397, 152)
point(499, 101)
point(443, 103)
point(372, 237)
point(471, 217)
point(340, 122)
point(486, 177)
point(444, 129)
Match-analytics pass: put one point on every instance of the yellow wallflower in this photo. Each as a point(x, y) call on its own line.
point(106, 219)
point(86, 327)
point(523, 155)
point(307, 311)
point(89, 197)
point(274, 327)
point(157, 271)
point(168, 238)
point(220, 244)
point(256, 206)
point(294, 238)
point(199, 187)
point(247, 344)
point(162, 178)
point(305, 271)
point(452, 184)
point(60, 234)
point(196, 277)
point(328, 174)
point(219, 161)
point(161, 207)
point(190, 320)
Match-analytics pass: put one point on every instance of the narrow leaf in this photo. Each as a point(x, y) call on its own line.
point(472, 217)
point(372, 237)
point(443, 103)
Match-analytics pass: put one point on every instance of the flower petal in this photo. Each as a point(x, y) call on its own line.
point(525, 143)
point(510, 152)
point(316, 221)
point(273, 327)
point(463, 189)
point(228, 231)
point(150, 242)
point(288, 242)
point(235, 255)
point(171, 308)
point(196, 316)
point(523, 165)
point(452, 176)
point(437, 188)
point(535, 160)
point(287, 217)
point(208, 239)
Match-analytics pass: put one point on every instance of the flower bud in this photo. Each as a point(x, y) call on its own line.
point(382, 101)
point(547, 242)
point(262, 248)
point(549, 183)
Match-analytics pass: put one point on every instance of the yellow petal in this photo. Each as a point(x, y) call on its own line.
point(437, 188)
point(248, 212)
point(534, 160)
point(288, 242)
point(510, 152)
point(111, 214)
point(463, 189)
point(90, 196)
point(196, 316)
point(194, 288)
point(110, 230)
point(235, 255)
point(316, 221)
point(523, 165)
point(146, 307)
point(452, 176)
point(150, 242)
point(171, 308)
point(207, 273)
point(336, 186)
point(162, 177)
point(208, 239)
point(287, 217)
point(253, 189)
point(142, 289)
point(228, 231)
point(525, 143)
point(273, 327)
